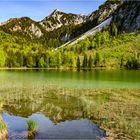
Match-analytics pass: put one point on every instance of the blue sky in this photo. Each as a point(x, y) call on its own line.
point(39, 9)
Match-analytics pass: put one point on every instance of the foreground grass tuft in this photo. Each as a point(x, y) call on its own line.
point(32, 126)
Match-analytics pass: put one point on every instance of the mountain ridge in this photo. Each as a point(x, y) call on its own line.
point(59, 27)
point(57, 20)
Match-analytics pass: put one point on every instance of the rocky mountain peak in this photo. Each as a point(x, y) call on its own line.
point(55, 11)
point(57, 19)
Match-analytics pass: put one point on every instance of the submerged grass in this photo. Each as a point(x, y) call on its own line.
point(114, 110)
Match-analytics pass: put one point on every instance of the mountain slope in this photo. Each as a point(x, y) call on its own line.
point(93, 31)
point(127, 17)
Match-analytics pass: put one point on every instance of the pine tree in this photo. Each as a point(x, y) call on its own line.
point(2, 58)
point(78, 63)
point(85, 61)
point(90, 62)
point(114, 29)
point(97, 59)
point(41, 62)
point(59, 61)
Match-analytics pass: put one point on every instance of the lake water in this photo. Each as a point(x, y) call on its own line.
point(57, 117)
point(94, 79)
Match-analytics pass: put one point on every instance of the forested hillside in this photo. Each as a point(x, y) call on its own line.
point(102, 50)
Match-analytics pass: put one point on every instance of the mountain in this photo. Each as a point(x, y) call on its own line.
point(58, 27)
point(55, 20)
point(127, 16)
point(96, 40)
point(24, 26)
point(58, 19)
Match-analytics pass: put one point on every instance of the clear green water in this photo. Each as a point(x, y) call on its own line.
point(94, 79)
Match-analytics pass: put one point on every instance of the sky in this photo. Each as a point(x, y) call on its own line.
point(39, 9)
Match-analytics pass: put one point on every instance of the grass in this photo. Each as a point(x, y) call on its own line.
point(32, 126)
point(114, 110)
point(1, 103)
point(117, 113)
point(3, 126)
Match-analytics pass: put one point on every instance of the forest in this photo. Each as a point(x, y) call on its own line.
point(109, 48)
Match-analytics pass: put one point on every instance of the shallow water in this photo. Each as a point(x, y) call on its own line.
point(47, 129)
point(57, 117)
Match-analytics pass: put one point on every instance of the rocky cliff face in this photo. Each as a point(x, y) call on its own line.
point(128, 16)
point(23, 25)
point(105, 11)
point(58, 19)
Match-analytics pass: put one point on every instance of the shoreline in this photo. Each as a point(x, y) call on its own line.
point(67, 69)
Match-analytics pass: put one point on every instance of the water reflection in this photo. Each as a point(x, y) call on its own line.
point(60, 117)
point(92, 79)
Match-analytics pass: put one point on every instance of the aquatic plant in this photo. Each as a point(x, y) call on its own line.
point(32, 126)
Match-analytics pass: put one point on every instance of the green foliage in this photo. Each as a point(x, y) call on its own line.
point(100, 50)
point(32, 126)
point(85, 61)
point(41, 63)
point(90, 62)
point(2, 58)
point(78, 63)
point(114, 29)
point(3, 126)
point(97, 59)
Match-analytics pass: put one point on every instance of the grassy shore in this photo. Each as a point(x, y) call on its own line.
point(3, 126)
point(114, 110)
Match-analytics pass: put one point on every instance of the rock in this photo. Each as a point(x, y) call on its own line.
point(128, 16)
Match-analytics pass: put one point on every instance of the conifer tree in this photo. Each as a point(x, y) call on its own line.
point(78, 63)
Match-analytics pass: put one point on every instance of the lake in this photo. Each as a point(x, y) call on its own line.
point(57, 116)
point(93, 79)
